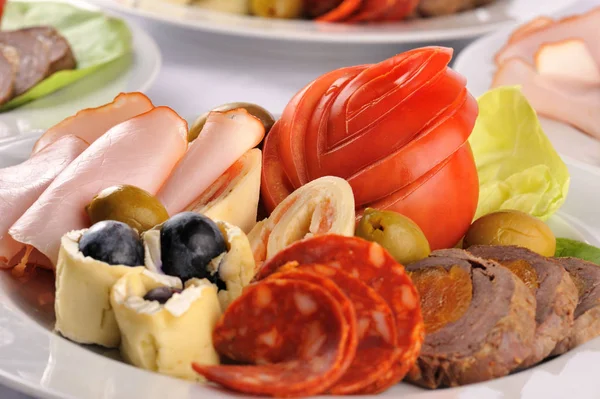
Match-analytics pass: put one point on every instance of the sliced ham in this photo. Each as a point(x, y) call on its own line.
point(91, 123)
point(569, 102)
point(584, 27)
point(141, 152)
point(21, 185)
point(226, 136)
point(530, 27)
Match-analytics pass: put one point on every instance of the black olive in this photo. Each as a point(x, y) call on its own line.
point(161, 294)
point(114, 243)
point(188, 243)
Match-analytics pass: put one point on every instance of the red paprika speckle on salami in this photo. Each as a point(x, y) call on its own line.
point(293, 349)
point(377, 336)
point(376, 268)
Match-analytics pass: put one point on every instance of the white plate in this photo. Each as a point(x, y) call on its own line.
point(35, 360)
point(459, 26)
point(476, 63)
point(134, 72)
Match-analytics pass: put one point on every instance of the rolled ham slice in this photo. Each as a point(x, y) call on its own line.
point(21, 185)
point(226, 136)
point(89, 124)
point(569, 102)
point(141, 152)
point(584, 27)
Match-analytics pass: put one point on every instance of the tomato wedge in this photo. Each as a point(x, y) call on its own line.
point(341, 12)
point(371, 10)
point(401, 10)
point(396, 130)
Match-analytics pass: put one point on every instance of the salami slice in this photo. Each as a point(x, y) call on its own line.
point(376, 327)
point(295, 334)
point(374, 266)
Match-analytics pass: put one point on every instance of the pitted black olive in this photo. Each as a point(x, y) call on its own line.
point(161, 294)
point(188, 243)
point(114, 243)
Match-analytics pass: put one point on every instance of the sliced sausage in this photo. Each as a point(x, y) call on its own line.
point(373, 265)
point(376, 327)
point(293, 333)
point(586, 276)
point(61, 55)
point(555, 294)
point(34, 58)
point(493, 335)
point(9, 66)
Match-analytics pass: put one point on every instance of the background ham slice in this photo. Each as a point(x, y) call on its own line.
point(91, 123)
point(21, 185)
point(576, 104)
point(140, 152)
point(226, 136)
point(584, 27)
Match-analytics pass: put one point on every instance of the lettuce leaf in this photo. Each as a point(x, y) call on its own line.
point(95, 38)
point(517, 165)
point(571, 248)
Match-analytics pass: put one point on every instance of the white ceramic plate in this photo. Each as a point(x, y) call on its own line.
point(134, 72)
point(459, 26)
point(476, 63)
point(35, 360)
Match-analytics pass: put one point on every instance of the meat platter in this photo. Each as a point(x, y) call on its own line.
point(368, 241)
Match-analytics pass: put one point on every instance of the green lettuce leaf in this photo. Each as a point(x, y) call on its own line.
point(571, 248)
point(95, 38)
point(517, 165)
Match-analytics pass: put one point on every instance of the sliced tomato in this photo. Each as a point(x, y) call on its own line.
point(2, 3)
point(341, 12)
point(401, 10)
point(371, 10)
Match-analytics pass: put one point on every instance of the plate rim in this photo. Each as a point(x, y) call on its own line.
point(441, 35)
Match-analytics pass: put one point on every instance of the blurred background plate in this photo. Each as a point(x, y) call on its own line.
point(134, 72)
point(459, 26)
point(476, 63)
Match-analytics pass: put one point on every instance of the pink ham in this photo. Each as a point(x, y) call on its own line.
point(21, 185)
point(91, 123)
point(226, 136)
point(584, 27)
point(566, 101)
point(141, 152)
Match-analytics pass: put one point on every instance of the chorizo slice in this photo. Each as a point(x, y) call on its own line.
point(375, 322)
point(556, 295)
point(373, 265)
point(294, 334)
point(9, 66)
point(479, 320)
point(586, 276)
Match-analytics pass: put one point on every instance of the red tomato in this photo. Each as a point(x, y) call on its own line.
point(397, 131)
point(400, 10)
point(2, 3)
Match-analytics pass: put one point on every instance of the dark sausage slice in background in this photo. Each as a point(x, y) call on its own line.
point(9, 66)
point(555, 294)
point(490, 339)
point(61, 55)
point(586, 276)
point(34, 58)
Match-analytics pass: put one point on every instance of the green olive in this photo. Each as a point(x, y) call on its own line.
point(257, 111)
point(128, 204)
point(512, 228)
point(403, 239)
point(278, 8)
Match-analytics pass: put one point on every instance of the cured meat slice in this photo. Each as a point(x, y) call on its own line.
point(61, 55)
point(556, 295)
point(34, 58)
point(294, 332)
point(578, 27)
point(9, 66)
point(489, 339)
point(568, 102)
point(121, 156)
point(91, 123)
point(226, 136)
point(530, 27)
point(374, 266)
point(377, 334)
point(586, 276)
point(21, 185)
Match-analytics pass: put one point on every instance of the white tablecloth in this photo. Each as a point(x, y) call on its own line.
point(203, 71)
